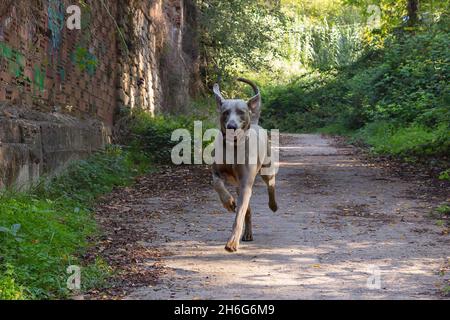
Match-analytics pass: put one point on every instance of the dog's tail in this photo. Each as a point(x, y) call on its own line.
point(253, 85)
point(254, 102)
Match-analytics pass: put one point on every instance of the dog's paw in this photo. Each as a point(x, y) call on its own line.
point(229, 204)
point(273, 206)
point(232, 245)
point(248, 236)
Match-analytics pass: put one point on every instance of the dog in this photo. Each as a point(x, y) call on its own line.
point(241, 117)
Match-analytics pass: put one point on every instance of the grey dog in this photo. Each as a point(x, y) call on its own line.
point(241, 117)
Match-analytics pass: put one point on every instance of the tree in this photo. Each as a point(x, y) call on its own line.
point(238, 35)
point(413, 9)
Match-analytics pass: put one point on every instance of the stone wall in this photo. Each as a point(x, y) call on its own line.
point(34, 143)
point(61, 90)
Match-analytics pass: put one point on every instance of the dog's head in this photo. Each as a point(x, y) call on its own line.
point(238, 114)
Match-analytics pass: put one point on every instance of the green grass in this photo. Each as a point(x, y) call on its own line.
point(45, 230)
point(443, 210)
point(446, 290)
point(445, 175)
point(409, 143)
point(413, 140)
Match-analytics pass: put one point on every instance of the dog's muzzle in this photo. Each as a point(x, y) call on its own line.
point(232, 125)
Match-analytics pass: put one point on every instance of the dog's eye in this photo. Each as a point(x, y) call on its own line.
point(226, 113)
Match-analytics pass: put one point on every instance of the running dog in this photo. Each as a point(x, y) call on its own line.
point(241, 118)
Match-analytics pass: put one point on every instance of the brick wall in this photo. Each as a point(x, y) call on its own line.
point(45, 65)
point(67, 85)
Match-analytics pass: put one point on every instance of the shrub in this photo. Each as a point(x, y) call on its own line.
point(153, 134)
point(9, 290)
point(417, 140)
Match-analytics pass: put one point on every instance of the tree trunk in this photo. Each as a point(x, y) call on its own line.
point(413, 9)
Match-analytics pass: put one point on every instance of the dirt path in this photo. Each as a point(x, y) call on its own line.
point(340, 220)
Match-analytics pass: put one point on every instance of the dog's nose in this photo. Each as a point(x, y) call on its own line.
point(232, 126)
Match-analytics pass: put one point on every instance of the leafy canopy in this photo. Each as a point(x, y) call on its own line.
point(238, 35)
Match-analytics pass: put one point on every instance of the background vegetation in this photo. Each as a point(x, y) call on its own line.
point(394, 97)
point(45, 230)
point(374, 70)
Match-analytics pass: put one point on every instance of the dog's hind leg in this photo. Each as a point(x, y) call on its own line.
point(270, 181)
point(248, 233)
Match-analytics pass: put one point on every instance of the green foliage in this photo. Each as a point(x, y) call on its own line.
point(322, 34)
point(443, 209)
point(153, 134)
point(96, 275)
point(308, 102)
point(397, 97)
point(446, 290)
point(337, 128)
point(274, 40)
point(394, 15)
point(238, 35)
point(414, 140)
point(86, 179)
point(445, 175)
point(51, 232)
point(9, 290)
point(336, 11)
point(42, 232)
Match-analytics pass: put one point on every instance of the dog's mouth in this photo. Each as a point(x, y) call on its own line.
point(234, 136)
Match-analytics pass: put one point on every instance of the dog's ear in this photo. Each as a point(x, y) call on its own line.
point(254, 104)
point(219, 97)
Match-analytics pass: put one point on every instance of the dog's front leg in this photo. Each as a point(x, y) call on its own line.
point(242, 205)
point(225, 197)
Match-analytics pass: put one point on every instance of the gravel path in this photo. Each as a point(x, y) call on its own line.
point(341, 222)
